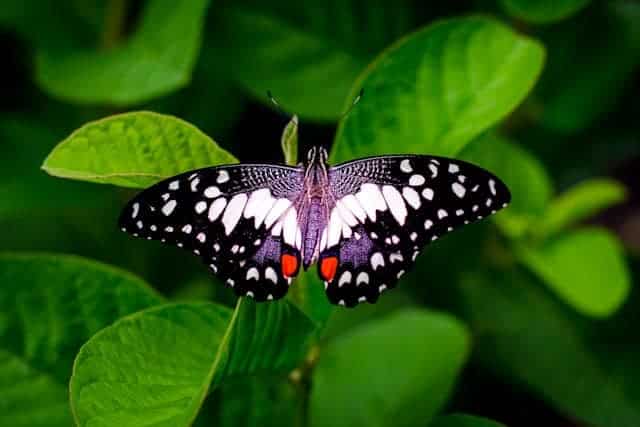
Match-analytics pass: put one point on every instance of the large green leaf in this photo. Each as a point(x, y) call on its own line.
point(307, 53)
point(49, 306)
point(579, 203)
point(126, 375)
point(529, 338)
point(133, 150)
point(397, 370)
point(437, 89)
point(462, 420)
point(530, 186)
point(586, 268)
point(157, 59)
point(592, 70)
point(543, 11)
point(253, 401)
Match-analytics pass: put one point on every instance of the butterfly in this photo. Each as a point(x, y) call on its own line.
point(363, 222)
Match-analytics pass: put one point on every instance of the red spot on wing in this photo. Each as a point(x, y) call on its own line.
point(289, 265)
point(328, 268)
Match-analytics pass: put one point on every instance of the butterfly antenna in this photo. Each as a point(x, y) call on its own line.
point(353, 104)
point(275, 103)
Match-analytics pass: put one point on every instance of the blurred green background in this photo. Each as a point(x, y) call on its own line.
point(527, 319)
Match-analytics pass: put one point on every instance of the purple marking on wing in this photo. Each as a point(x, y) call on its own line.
point(356, 251)
point(269, 251)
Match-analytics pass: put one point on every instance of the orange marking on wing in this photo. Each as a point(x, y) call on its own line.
point(289, 265)
point(328, 268)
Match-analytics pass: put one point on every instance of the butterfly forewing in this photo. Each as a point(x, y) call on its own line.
point(238, 219)
point(386, 209)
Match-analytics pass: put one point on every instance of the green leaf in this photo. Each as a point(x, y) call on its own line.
point(133, 150)
point(289, 142)
point(593, 70)
point(435, 90)
point(124, 375)
point(157, 59)
point(543, 11)
point(530, 186)
point(586, 268)
point(580, 202)
point(586, 370)
point(308, 53)
point(311, 298)
point(255, 401)
point(49, 306)
point(398, 371)
point(462, 420)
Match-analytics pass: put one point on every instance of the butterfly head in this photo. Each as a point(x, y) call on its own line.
point(317, 156)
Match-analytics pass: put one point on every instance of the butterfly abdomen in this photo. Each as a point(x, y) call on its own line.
point(312, 228)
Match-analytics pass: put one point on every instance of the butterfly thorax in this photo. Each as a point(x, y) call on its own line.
point(315, 204)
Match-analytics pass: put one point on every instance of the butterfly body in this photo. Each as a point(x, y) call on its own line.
point(363, 222)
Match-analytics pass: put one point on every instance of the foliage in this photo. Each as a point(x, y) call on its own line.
point(539, 298)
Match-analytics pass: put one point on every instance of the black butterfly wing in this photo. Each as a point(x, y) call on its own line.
point(388, 208)
point(238, 219)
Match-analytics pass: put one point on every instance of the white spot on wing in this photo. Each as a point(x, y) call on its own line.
point(416, 180)
point(427, 193)
point(492, 186)
point(270, 274)
point(276, 212)
point(363, 277)
point(265, 208)
point(211, 192)
point(323, 239)
point(396, 256)
point(458, 189)
point(253, 273)
point(201, 206)
point(174, 185)
point(290, 227)
point(168, 208)
point(396, 203)
point(335, 228)
point(371, 200)
point(194, 184)
point(345, 278)
point(412, 197)
point(405, 166)
point(136, 209)
point(377, 260)
point(257, 202)
point(428, 224)
point(442, 213)
point(216, 208)
point(453, 168)
point(434, 170)
point(223, 176)
point(354, 206)
point(346, 214)
point(233, 212)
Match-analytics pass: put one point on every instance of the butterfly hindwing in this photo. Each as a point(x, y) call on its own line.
point(388, 208)
point(235, 218)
